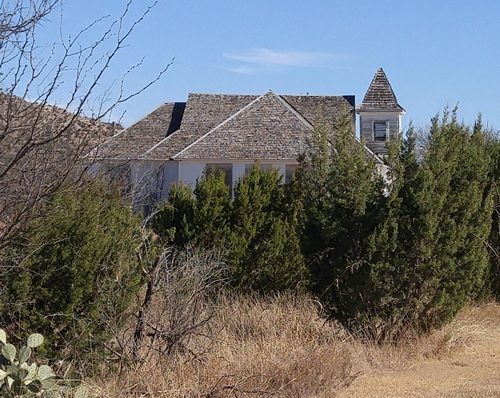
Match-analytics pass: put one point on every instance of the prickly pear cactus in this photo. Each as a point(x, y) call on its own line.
point(21, 377)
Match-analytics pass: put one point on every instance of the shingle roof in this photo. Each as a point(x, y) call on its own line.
point(322, 109)
point(132, 142)
point(40, 144)
point(204, 112)
point(46, 130)
point(266, 128)
point(380, 96)
point(218, 126)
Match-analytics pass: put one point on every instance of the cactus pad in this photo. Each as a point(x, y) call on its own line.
point(35, 340)
point(9, 352)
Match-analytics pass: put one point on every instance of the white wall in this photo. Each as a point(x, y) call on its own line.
point(169, 176)
point(189, 172)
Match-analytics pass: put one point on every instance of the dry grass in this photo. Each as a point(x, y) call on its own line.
point(281, 347)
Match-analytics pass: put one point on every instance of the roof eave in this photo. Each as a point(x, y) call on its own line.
point(368, 108)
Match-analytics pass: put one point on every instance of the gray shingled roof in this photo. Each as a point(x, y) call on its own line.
point(380, 96)
point(320, 109)
point(203, 112)
point(214, 126)
point(267, 128)
point(132, 142)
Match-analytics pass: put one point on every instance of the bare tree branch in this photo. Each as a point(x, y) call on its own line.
point(42, 144)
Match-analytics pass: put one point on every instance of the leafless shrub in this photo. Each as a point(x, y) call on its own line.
point(179, 303)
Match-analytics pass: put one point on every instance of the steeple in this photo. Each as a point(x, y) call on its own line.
point(380, 114)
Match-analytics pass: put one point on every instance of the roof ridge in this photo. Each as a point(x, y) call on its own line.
point(380, 94)
point(219, 125)
point(296, 113)
point(389, 84)
point(160, 142)
point(95, 150)
point(380, 73)
point(223, 94)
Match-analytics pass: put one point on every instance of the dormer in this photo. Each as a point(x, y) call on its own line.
point(380, 115)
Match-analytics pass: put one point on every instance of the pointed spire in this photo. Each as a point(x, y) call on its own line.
point(380, 96)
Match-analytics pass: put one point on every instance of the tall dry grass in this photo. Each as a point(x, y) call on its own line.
point(280, 346)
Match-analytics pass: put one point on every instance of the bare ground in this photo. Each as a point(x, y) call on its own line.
point(472, 371)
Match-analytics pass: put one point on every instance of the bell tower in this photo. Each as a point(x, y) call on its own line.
point(380, 115)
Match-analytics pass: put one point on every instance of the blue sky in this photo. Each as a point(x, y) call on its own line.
point(435, 53)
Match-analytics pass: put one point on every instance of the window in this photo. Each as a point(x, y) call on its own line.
point(379, 131)
point(267, 167)
point(248, 168)
point(226, 168)
point(263, 167)
point(290, 170)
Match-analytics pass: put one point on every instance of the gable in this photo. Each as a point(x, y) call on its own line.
point(132, 142)
point(203, 112)
point(267, 128)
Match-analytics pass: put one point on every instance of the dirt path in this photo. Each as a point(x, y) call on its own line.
point(473, 372)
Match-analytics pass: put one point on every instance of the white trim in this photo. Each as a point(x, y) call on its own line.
point(281, 100)
point(291, 109)
point(236, 161)
point(380, 114)
point(219, 125)
point(159, 143)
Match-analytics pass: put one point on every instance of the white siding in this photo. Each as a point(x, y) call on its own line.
point(238, 172)
point(190, 172)
point(367, 120)
point(169, 176)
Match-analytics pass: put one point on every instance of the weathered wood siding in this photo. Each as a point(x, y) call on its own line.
point(366, 126)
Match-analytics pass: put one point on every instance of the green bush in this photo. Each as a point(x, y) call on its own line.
point(407, 255)
point(264, 250)
point(173, 220)
point(79, 271)
point(256, 232)
point(212, 211)
point(430, 255)
point(494, 145)
point(341, 195)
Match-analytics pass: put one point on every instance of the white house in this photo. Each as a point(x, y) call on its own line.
point(178, 141)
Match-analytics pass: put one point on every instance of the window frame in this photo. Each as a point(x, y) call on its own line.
point(379, 122)
point(222, 167)
point(290, 170)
